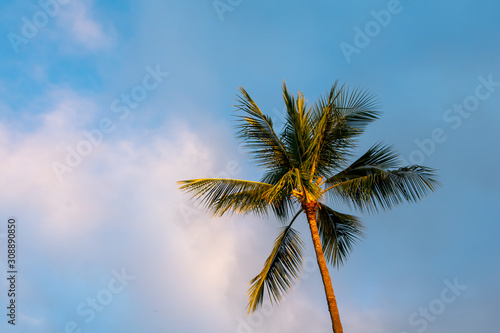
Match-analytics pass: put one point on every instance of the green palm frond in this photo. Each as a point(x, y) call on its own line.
point(297, 130)
point(371, 182)
point(281, 194)
point(351, 110)
point(330, 141)
point(257, 134)
point(280, 270)
point(338, 232)
point(331, 126)
point(358, 106)
point(220, 195)
point(378, 157)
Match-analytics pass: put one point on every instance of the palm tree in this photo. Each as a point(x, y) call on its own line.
point(306, 164)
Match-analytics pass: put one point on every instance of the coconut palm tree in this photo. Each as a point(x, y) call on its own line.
point(305, 166)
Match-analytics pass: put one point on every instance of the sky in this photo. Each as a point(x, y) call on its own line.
point(104, 105)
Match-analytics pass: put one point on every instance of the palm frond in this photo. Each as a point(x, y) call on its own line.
point(220, 195)
point(378, 157)
point(256, 132)
point(297, 129)
point(330, 142)
point(281, 193)
point(374, 182)
point(336, 120)
point(338, 232)
point(281, 268)
point(358, 106)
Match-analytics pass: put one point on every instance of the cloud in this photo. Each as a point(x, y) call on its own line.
point(119, 208)
point(78, 19)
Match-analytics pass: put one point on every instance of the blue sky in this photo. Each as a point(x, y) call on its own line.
point(105, 105)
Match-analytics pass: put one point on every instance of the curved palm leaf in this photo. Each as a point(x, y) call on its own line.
point(281, 268)
point(369, 183)
point(339, 232)
point(352, 109)
point(220, 195)
point(359, 106)
point(256, 132)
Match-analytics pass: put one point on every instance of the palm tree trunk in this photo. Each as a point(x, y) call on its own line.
point(310, 209)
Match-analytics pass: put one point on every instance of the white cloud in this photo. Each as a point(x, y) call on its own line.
point(118, 208)
point(77, 18)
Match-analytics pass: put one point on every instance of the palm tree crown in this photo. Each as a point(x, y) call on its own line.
point(309, 162)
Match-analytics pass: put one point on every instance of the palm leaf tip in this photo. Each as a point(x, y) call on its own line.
point(281, 268)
